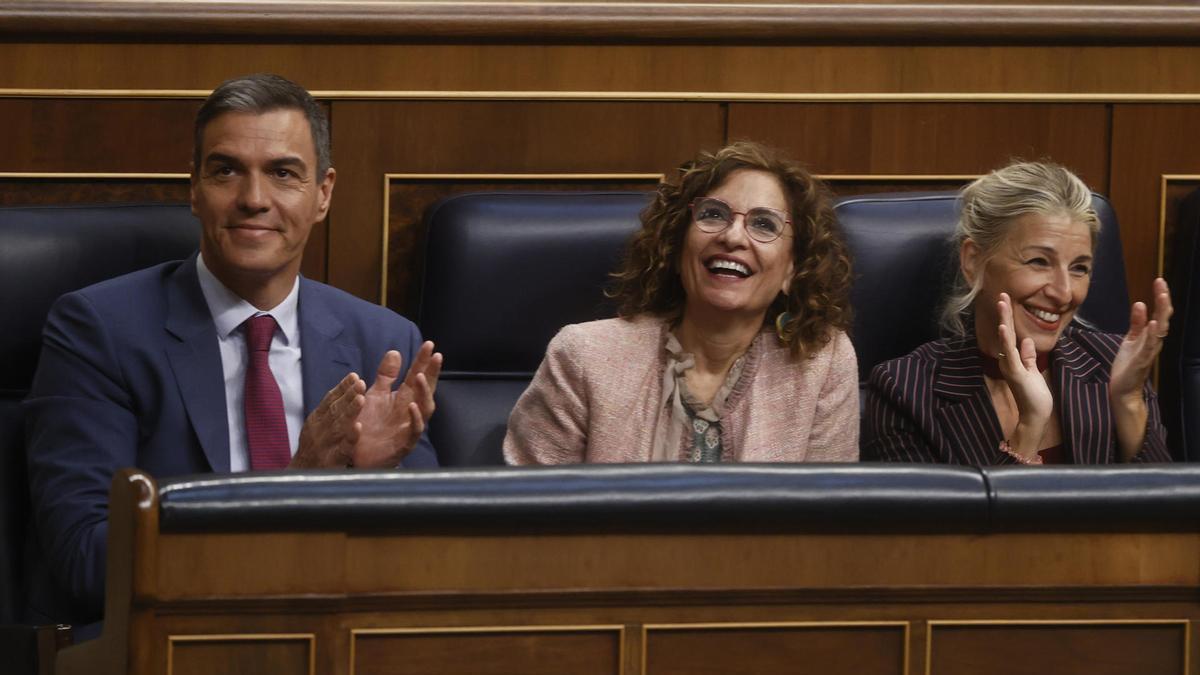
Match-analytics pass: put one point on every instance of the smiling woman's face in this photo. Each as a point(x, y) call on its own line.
point(728, 271)
point(1045, 266)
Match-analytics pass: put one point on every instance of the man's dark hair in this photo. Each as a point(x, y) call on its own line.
point(258, 94)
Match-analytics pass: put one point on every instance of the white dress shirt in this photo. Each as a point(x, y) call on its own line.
point(229, 312)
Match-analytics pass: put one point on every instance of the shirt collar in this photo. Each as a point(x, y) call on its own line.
point(230, 311)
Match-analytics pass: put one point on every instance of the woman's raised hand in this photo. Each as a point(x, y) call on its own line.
point(1141, 346)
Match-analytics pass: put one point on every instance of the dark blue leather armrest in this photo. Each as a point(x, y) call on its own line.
point(1164, 497)
point(642, 497)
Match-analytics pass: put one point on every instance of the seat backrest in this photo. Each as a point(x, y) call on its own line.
point(46, 251)
point(1179, 366)
point(903, 264)
point(503, 272)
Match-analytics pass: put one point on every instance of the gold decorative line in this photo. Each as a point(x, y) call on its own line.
point(383, 273)
point(441, 630)
point(526, 176)
point(665, 627)
point(773, 624)
point(619, 629)
point(695, 96)
point(1055, 622)
point(244, 637)
point(894, 177)
point(41, 175)
point(387, 197)
point(930, 625)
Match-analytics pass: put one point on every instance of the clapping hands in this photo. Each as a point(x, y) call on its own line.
point(376, 426)
point(392, 420)
point(1141, 346)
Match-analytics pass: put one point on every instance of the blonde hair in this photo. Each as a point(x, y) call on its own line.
point(987, 209)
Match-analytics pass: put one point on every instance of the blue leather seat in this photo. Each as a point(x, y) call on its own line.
point(1179, 364)
point(44, 252)
point(502, 273)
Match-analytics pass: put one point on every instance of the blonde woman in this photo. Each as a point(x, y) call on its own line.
point(1021, 379)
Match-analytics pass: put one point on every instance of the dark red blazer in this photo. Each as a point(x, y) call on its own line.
point(933, 405)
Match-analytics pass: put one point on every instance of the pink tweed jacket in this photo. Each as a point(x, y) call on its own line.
point(596, 398)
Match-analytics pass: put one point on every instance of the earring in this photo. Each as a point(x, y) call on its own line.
point(781, 329)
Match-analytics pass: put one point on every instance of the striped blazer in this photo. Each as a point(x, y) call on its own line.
point(933, 405)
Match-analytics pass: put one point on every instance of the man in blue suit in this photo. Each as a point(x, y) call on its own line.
point(154, 369)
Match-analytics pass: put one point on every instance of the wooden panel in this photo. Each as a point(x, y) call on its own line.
point(760, 650)
point(492, 652)
point(1148, 142)
point(1024, 649)
point(930, 138)
point(728, 21)
point(86, 190)
point(409, 197)
point(854, 70)
point(240, 655)
point(845, 186)
point(97, 135)
point(491, 137)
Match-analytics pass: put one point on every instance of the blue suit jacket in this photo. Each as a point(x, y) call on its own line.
point(130, 376)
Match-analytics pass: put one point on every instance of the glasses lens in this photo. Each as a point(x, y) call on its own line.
point(765, 225)
point(712, 215)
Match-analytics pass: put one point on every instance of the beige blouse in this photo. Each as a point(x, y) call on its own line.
point(601, 395)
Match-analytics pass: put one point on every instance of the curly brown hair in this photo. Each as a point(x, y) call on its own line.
point(817, 301)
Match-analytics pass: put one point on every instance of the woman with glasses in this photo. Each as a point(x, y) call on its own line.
point(730, 346)
point(1020, 379)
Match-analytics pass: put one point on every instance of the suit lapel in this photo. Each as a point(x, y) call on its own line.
point(1083, 402)
point(195, 359)
point(325, 359)
point(965, 414)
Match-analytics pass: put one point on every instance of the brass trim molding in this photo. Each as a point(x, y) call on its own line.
point(634, 96)
point(46, 175)
point(618, 629)
point(1186, 624)
point(734, 625)
point(646, 21)
point(515, 177)
point(311, 638)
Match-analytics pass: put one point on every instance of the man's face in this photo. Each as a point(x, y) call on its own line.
point(257, 194)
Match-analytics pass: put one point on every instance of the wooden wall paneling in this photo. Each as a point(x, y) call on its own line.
point(729, 21)
point(930, 138)
point(529, 650)
point(371, 69)
point(241, 654)
point(409, 195)
point(1035, 648)
point(762, 649)
point(377, 138)
point(89, 135)
point(1149, 141)
point(31, 190)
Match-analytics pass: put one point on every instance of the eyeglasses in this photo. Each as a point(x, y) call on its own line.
point(764, 225)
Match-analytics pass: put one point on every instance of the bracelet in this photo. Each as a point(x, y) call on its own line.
point(1007, 449)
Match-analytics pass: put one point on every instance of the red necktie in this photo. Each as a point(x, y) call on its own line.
point(266, 426)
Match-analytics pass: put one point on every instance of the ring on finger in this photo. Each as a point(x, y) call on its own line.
point(999, 355)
